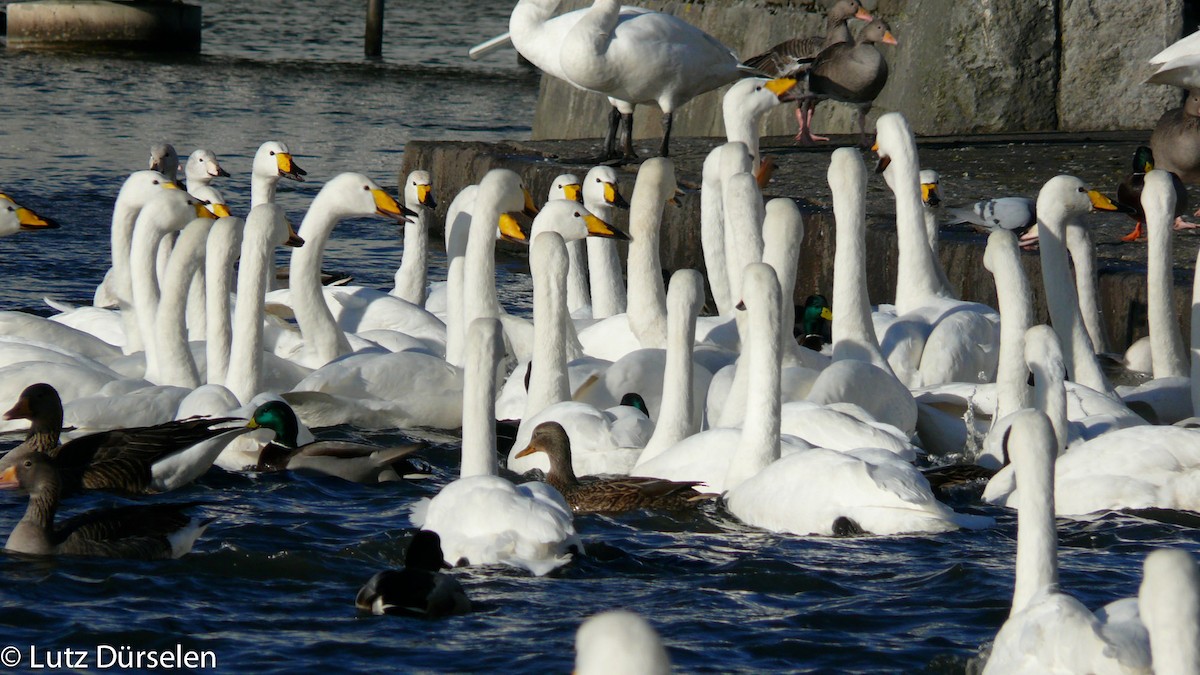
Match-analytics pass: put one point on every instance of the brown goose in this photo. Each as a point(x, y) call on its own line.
point(1176, 140)
point(793, 58)
point(135, 460)
point(851, 72)
point(606, 495)
point(145, 531)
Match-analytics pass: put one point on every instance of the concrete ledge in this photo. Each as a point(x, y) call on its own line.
point(146, 25)
point(972, 167)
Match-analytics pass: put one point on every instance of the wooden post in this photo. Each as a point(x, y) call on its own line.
point(374, 37)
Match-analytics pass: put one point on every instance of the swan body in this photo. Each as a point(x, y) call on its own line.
point(481, 517)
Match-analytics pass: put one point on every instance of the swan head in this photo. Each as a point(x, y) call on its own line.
point(278, 417)
point(658, 175)
point(418, 190)
point(895, 143)
point(751, 97)
point(685, 293)
point(619, 642)
point(203, 165)
point(930, 196)
point(600, 187)
point(141, 186)
point(353, 194)
point(511, 197)
point(164, 159)
point(172, 210)
point(1064, 198)
point(273, 161)
point(18, 217)
point(566, 186)
point(573, 222)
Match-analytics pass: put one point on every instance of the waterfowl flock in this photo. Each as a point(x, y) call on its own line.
point(628, 398)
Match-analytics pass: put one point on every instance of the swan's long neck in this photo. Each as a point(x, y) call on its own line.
point(146, 296)
point(197, 306)
point(1003, 259)
point(579, 296)
point(410, 278)
point(124, 217)
point(1061, 298)
point(1169, 605)
point(743, 223)
point(321, 333)
point(525, 27)
point(852, 329)
point(1166, 344)
point(783, 234)
point(604, 267)
point(224, 242)
point(1195, 326)
point(244, 377)
point(931, 235)
point(175, 363)
point(1044, 359)
point(646, 296)
point(586, 62)
point(479, 274)
point(455, 324)
point(1079, 245)
point(1032, 441)
point(916, 278)
point(262, 189)
point(712, 232)
point(759, 445)
point(675, 420)
point(548, 383)
point(479, 399)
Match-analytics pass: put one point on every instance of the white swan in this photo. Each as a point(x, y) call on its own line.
point(201, 168)
point(645, 322)
point(644, 58)
point(619, 641)
point(742, 109)
point(600, 442)
point(224, 244)
point(568, 187)
point(1047, 630)
point(1178, 64)
point(708, 456)
point(266, 227)
point(481, 517)
point(15, 218)
point(723, 160)
point(176, 366)
point(272, 161)
point(605, 276)
point(1169, 606)
point(410, 276)
point(165, 160)
point(1061, 200)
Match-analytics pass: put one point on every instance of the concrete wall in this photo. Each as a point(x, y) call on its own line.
point(148, 25)
point(960, 67)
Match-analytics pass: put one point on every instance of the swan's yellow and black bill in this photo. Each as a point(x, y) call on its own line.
point(288, 167)
point(511, 230)
point(574, 192)
point(613, 197)
point(884, 160)
point(599, 228)
point(386, 205)
point(8, 479)
point(530, 209)
point(781, 86)
point(929, 194)
point(425, 196)
point(1101, 202)
point(32, 221)
point(203, 212)
point(221, 210)
point(294, 240)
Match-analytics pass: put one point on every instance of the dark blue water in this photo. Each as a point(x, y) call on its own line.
point(270, 586)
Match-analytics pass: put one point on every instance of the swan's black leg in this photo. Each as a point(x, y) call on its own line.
point(666, 140)
point(610, 138)
point(627, 135)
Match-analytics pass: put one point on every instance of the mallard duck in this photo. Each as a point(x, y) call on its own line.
point(850, 72)
point(145, 531)
point(354, 462)
point(135, 460)
point(794, 57)
point(420, 589)
point(606, 495)
point(1129, 194)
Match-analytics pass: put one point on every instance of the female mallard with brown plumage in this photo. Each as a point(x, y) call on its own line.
point(606, 495)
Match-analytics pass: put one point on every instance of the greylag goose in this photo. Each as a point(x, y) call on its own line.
point(793, 58)
point(145, 531)
point(851, 72)
point(606, 495)
point(420, 589)
point(134, 460)
point(354, 462)
point(1176, 140)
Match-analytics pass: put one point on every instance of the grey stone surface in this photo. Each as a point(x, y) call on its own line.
point(150, 25)
point(1109, 42)
point(960, 67)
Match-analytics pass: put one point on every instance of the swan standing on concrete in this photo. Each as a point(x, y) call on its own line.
point(644, 58)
